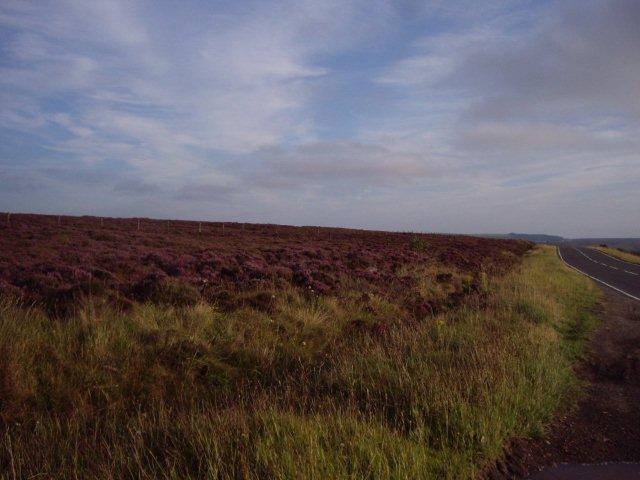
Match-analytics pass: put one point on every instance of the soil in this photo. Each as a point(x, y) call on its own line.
point(604, 425)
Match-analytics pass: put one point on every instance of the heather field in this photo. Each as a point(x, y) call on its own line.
point(55, 261)
point(183, 350)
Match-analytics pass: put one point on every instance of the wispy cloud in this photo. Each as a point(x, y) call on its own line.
point(331, 111)
point(204, 192)
point(346, 161)
point(135, 187)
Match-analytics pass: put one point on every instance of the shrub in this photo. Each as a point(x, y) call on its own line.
point(176, 293)
point(160, 289)
point(417, 244)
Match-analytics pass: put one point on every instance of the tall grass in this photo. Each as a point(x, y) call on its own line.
point(349, 386)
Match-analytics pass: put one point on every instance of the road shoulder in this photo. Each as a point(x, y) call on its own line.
point(603, 424)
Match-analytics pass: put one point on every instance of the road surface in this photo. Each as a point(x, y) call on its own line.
point(614, 471)
point(617, 274)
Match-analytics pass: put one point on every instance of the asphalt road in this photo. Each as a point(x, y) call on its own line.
point(617, 274)
point(613, 471)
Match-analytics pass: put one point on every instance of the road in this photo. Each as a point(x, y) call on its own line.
point(617, 274)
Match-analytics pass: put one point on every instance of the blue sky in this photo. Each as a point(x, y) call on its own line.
point(451, 116)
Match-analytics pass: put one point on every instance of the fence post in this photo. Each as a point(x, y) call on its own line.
point(8, 219)
point(59, 220)
point(199, 227)
point(223, 229)
point(101, 222)
point(138, 224)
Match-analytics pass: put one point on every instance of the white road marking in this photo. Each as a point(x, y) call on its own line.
point(617, 259)
point(610, 266)
point(601, 263)
point(594, 278)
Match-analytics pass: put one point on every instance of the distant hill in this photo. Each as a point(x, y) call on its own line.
point(531, 237)
point(628, 244)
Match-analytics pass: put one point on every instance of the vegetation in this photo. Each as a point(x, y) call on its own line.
point(291, 384)
point(51, 261)
point(618, 253)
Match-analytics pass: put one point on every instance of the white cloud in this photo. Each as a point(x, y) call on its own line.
point(241, 83)
point(527, 137)
point(348, 161)
point(436, 57)
point(482, 111)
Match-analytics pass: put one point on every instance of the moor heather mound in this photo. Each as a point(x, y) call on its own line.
point(55, 260)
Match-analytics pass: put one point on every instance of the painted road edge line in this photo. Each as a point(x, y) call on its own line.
point(593, 260)
point(604, 264)
point(616, 259)
point(594, 278)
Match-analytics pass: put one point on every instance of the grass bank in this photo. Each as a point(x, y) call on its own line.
point(621, 254)
point(348, 386)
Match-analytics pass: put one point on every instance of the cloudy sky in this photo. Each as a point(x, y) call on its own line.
point(433, 115)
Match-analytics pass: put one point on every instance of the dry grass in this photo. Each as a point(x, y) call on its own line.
point(349, 386)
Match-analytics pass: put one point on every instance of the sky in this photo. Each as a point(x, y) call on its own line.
point(436, 115)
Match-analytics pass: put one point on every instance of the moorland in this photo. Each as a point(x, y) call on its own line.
point(138, 348)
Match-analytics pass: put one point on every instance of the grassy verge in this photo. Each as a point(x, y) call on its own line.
point(310, 387)
point(621, 254)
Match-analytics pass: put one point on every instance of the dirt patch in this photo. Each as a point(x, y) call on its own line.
point(604, 425)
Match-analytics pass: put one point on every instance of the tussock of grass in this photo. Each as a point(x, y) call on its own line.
point(312, 387)
point(621, 254)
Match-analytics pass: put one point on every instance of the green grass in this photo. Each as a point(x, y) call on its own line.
point(333, 387)
point(621, 254)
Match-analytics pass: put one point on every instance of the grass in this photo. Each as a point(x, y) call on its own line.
point(621, 254)
point(349, 386)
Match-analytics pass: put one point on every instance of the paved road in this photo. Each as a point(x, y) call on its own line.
point(617, 274)
point(613, 471)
